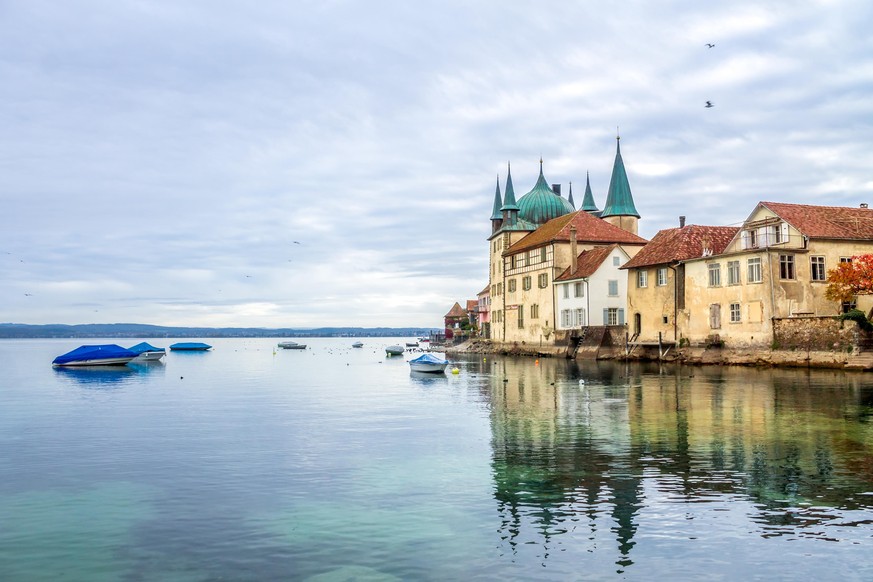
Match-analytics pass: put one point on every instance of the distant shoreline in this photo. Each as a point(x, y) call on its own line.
point(136, 330)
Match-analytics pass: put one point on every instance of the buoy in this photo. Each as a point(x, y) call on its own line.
point(537, 363)
point(455, 371)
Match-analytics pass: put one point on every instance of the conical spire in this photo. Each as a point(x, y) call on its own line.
point(509, 202)
point(570, 197)
point(588, 204)
point(495, 210)
point(619, 201)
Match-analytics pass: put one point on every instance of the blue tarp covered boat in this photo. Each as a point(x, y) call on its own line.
point(95, 355)
point(145, 352)
point(190, 347)
point(428, 363)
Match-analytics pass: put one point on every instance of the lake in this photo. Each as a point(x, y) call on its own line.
point(335, 463)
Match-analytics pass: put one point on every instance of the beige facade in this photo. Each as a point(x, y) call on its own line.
point(771, 268)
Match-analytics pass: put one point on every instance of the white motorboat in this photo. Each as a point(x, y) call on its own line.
point(428, 363)
point(289, 345)
point(147, 353)
point(358, 345)
point(396, 350)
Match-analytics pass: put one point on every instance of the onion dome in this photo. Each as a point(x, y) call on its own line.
point(541, 204)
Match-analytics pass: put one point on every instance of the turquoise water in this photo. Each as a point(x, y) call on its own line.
point(336, 463)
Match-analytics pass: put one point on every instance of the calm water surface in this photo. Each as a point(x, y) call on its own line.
point(336, 463)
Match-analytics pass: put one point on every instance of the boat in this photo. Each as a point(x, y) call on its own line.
point(289, 345)
point(95, 355)
point(411, 344)
point(145, 352)
point(424, 339)
point(190, 347)
point(394, 350)
point(358, 345)
point(428, 363)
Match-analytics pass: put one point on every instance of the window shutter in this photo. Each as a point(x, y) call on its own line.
point(784, 227)
point(620, 316)
point(745, 239)
point(605, 316)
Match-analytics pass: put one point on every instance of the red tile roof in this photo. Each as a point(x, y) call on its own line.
point(589, 229)
point(456, 311)
point(679, 244)
point(472, 305)
point(843, 222)
point(587, 263)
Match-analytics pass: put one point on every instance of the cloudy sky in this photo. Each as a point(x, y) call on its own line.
point(329, 162)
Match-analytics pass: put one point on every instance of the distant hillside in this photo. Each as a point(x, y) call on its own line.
point(96, 330)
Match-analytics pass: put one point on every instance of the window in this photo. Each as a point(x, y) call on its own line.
point(566, 287)
point(715, 275)
point(754, 268)
point(525, 283)
point(613, 316)
point(616, 261)
point(580, 318)
point(642, 278)
point(566, 318)
point(845, 259)
point(512, 285)
point(786, 267)
point(530, 258)
point(534, 311)
point(613, 288)
point(521, 316)
point(543, 280)
point(543, 255)
point(750, 239)
point(662, 276)
point(578, 290)
point(733, 272)
point(513, 261)
point(735, 312)
point(817, 268)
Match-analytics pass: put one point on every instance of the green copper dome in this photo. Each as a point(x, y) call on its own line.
point(540, 205)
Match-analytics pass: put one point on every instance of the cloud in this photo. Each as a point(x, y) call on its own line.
point(159, 160)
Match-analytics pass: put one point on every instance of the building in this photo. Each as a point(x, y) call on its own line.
point(728, 285)
point(657, 280)
point(484, 308)
point(593, 290)
point(532, 242)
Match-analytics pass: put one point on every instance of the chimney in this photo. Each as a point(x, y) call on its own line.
point(864, 205)
point(556, 188)
point(681, 221)
point(573, 256)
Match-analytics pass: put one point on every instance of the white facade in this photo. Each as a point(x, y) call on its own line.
point(598, 299)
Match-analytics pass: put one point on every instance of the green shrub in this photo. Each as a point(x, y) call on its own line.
point(858, 317)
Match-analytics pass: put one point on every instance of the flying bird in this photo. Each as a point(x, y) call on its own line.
point(28, 294)
point(709, 104)
point(709, 45)
point(296, 242)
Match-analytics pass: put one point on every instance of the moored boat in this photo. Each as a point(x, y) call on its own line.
point(358, 345)
point(190, 347)
point(95, 355)
point(396, 350)
point(428, 363)
point(289, 345)
point(145, 352)
point(411, 344)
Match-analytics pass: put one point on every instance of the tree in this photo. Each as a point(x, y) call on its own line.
point(850, 279)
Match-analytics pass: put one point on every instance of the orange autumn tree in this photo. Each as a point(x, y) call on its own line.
point(851, 279)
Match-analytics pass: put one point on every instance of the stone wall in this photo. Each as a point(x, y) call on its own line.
point(814, 333)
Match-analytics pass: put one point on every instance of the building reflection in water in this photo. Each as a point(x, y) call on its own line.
point(580, 449)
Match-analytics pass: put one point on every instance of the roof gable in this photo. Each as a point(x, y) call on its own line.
point(842, 222)
point(588, 262)
point(456, 311)
point(672, 245)
point(589, 229)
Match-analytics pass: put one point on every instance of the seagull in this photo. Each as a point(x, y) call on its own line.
point(28, 294)
point(709, 104)
point(296, 242)
point(709, 45)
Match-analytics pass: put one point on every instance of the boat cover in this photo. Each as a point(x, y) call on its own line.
point(428, 359)
point(190, 346)
point(95, 352)
point(145, 347)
